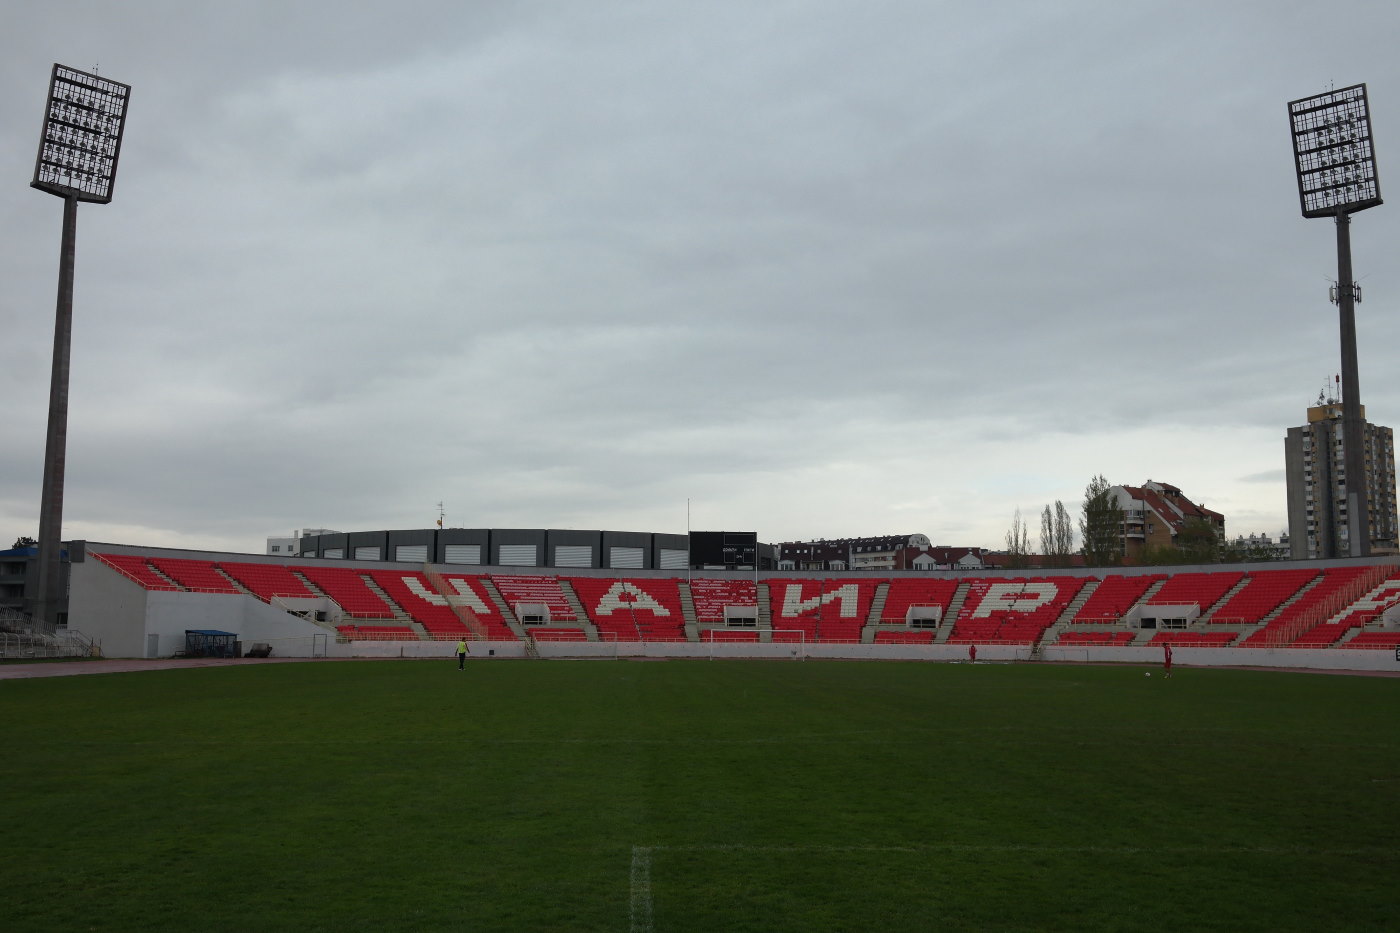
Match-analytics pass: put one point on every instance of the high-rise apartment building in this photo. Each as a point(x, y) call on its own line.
point(1317, 495)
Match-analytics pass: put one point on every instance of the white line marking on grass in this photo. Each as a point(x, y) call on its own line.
point(641, 889)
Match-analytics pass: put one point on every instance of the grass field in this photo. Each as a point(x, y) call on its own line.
point(699, 796)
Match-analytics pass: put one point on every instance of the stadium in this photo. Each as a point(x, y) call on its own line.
point(566, 267)
point(795, 764)
point(128, 601)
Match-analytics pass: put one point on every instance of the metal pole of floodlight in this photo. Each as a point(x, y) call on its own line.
point(1335, 160)
point(77, 161)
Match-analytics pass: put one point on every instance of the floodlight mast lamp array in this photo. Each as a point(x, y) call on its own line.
point(77, 161)
point(1335, 159)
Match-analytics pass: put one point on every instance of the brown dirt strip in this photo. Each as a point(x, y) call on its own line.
point(130, 665)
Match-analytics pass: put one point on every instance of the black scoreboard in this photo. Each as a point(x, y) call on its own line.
point(730, 550)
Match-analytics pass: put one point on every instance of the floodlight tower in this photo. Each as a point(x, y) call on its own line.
point(1336, 167)
point(77, 161)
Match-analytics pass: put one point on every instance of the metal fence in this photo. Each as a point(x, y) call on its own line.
point(39, 645)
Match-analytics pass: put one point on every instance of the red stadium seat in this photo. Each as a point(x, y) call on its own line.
point(1265, 592)
point(1114, 596)
point(543, 590)
point(1012, 611)
point(267, 581)
point(907, 592)
point(830, 610)
point(198, 576)
point(712, 597)
point(632, 609)
point(1200, 589)
point(136, 567)
point(347, 587)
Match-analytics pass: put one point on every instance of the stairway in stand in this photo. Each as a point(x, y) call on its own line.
point(306, 582)
point(1066, 619)
point(1151, 591)
point(877, 609)
point(161, 574)
point(399, 615)
point(508, 616)
point(692, 624)
point(1072, 610)
point(590, 631)
point(945, 626)
point(1144, 635)
point(464, 614)
point(1229, 594)
point(506, 612)
point(224, 574)
point(332, 618)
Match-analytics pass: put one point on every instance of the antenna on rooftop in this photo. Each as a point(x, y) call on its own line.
point(441, 514)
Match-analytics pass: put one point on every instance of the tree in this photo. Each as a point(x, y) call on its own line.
point(1101, 525)
point(1018, 542)
point(1064, 531)
point(25, 541)
point(1163, 555)
point(1047, 538)
point(1198, 542)
point(1056, 535)
point(1247, 551)
point(1064, 534)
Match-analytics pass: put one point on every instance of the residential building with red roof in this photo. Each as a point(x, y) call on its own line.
point(1154, 514)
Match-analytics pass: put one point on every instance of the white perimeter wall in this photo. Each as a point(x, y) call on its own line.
point(1326, 659)
point(108, 608)
point(1320, 659)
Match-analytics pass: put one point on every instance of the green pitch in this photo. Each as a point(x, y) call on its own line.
point(699, 796)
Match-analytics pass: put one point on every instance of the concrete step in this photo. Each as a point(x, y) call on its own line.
point(590, 630)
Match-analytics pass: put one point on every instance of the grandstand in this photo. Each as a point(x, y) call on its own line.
point(138, 601)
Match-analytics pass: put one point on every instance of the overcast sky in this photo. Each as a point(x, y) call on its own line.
point(824, 269)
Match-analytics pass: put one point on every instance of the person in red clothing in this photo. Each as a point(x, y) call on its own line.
point(972, 652)
point(1167, 659)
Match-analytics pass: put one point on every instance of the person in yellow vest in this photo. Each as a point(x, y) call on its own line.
point(462, 655)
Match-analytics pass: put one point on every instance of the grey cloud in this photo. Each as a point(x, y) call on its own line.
point(827, 269)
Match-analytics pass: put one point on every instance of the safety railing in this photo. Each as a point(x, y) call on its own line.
point(16, 645)
point(464, 613)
